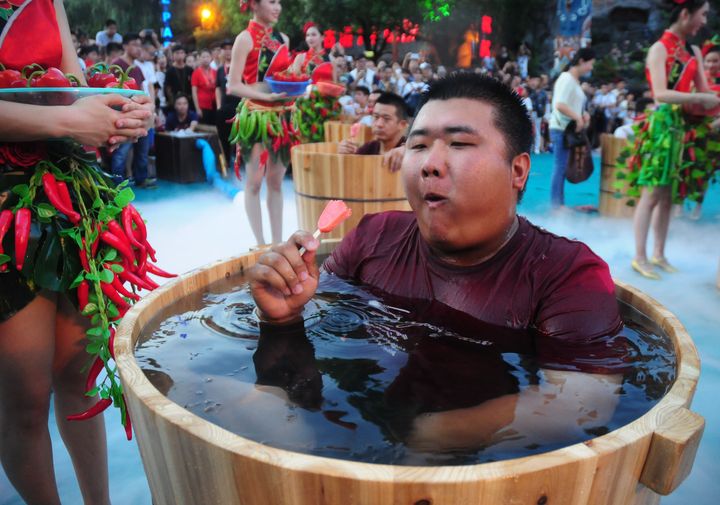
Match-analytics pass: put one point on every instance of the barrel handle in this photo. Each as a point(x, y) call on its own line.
point(672, 451)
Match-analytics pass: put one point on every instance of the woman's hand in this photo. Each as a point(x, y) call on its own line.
point(282, 281)
point(94, 120)
point(276, 97)
point(707, 100)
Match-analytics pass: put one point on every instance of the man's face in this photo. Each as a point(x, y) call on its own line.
point(134, 49)
point(457, 177)
point(181, 106)
point(111, 30)
point(227, 53)
point(361, 64)
point(361, 98)
point(385, 123)
point(179, 56)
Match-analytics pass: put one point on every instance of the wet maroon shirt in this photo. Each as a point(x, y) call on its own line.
point(556, 288)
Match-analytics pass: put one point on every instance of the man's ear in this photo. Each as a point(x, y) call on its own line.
point(520, 171)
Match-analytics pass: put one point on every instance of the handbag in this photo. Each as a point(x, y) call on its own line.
point(573, 138)
point(580, 164)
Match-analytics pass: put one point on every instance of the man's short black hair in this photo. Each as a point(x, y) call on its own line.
point(110, 22)
point(129, 37)
point(113, 47)
point(178, 48)
point(363, 89)
point(388, 98)
point(85, 50)
point(510, 114)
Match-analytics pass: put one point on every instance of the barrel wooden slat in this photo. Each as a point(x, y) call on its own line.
point(189, 460)
point(320, 175)
point(610, 205)
point(337, 131)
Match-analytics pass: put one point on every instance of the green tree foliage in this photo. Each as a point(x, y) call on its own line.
point(131, 15)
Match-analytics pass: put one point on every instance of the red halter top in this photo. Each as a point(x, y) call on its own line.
point(680, 65)
point(29, 33)
point(266, 41)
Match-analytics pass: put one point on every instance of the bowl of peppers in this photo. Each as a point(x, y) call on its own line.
point(38, 86)
point(291, 83)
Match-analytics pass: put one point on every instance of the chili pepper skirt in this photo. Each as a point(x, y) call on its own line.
point(669, 150)
point(267, 124)
point(312, 112)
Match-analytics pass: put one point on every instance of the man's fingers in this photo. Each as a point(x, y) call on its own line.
point(130, 133)
point(113, 100)
point(129, 124)
point(270, 277)
point(284, 264)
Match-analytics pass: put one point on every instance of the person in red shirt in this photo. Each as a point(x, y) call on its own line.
point(464, 247)
point(203, 88)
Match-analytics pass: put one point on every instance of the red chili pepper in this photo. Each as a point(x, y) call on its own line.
point(130, 83)
point(109, 291)
point(10, 77)
point(53, 78)
point(142, 260)
point(117, 230)
point(127, 222)
point(153, 269)
point(22, 235)
point(691, 153)
point(128, 423)
point(117, 284)
point(96, 409)
point(53, 194)
point(150, 251)
point(65, 194)
point(6, 218)
point(83, 294)
point(83, 257)
point(95, 369)
point(100, 80)
point(139, 223)
point(119, 245)
point(130, 277)
point(238, 162)
point(111, 343)
point(151, 283)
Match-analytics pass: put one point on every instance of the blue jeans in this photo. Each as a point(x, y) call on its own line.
point(557, 184)
point(140, 160)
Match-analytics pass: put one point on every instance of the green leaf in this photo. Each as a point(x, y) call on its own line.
point(94, 347)
point(107, 276)
point(92, 277)
point(95, 332)
point(90, 308)
point(97, 203)
point(108, 213)
point(4, 258)
point(696, 174)
point(45, 210)
point(111, 255)
point(96, 319)
point(22, 190)
point(113, 310)
point(116, 268)
point(124, 197)
point(78, 280)
point(92, 392)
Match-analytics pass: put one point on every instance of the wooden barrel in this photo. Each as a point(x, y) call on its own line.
point(337, 131)
point(321, 175)
point(613, 201)
point(191, 461)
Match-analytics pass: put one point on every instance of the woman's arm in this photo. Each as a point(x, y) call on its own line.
point(70, 63)
point(701, 83)
point(196, 101)
point(656, 66)
point(242, 47)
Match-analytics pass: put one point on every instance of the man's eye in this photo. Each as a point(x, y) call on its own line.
point(460, 144)
point(417, 147)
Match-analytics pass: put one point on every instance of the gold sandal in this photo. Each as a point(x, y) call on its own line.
point(645, 270)
point(663, 264)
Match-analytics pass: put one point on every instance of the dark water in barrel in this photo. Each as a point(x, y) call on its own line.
point(359, 382)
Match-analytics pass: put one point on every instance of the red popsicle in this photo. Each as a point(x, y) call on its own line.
point(334, 213)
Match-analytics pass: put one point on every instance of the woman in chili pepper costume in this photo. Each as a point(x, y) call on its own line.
point(263, 127)
point(317, 107)
point(656, 166)
point(42, 334)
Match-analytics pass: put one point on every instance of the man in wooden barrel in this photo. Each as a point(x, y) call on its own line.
point(465, 168)
point(389, 124)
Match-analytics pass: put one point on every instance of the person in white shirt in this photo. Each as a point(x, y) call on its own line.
point(109, 34)
point(362, 75)
point(568, 104)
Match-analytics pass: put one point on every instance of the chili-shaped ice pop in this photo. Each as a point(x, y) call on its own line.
point(334, 213)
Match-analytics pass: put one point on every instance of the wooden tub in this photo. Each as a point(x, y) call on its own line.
point(337, 131)
point(321, 175)
point(613, 201)
point(191, 461)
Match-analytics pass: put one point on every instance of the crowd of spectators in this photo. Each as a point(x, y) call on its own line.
point(188, 86)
